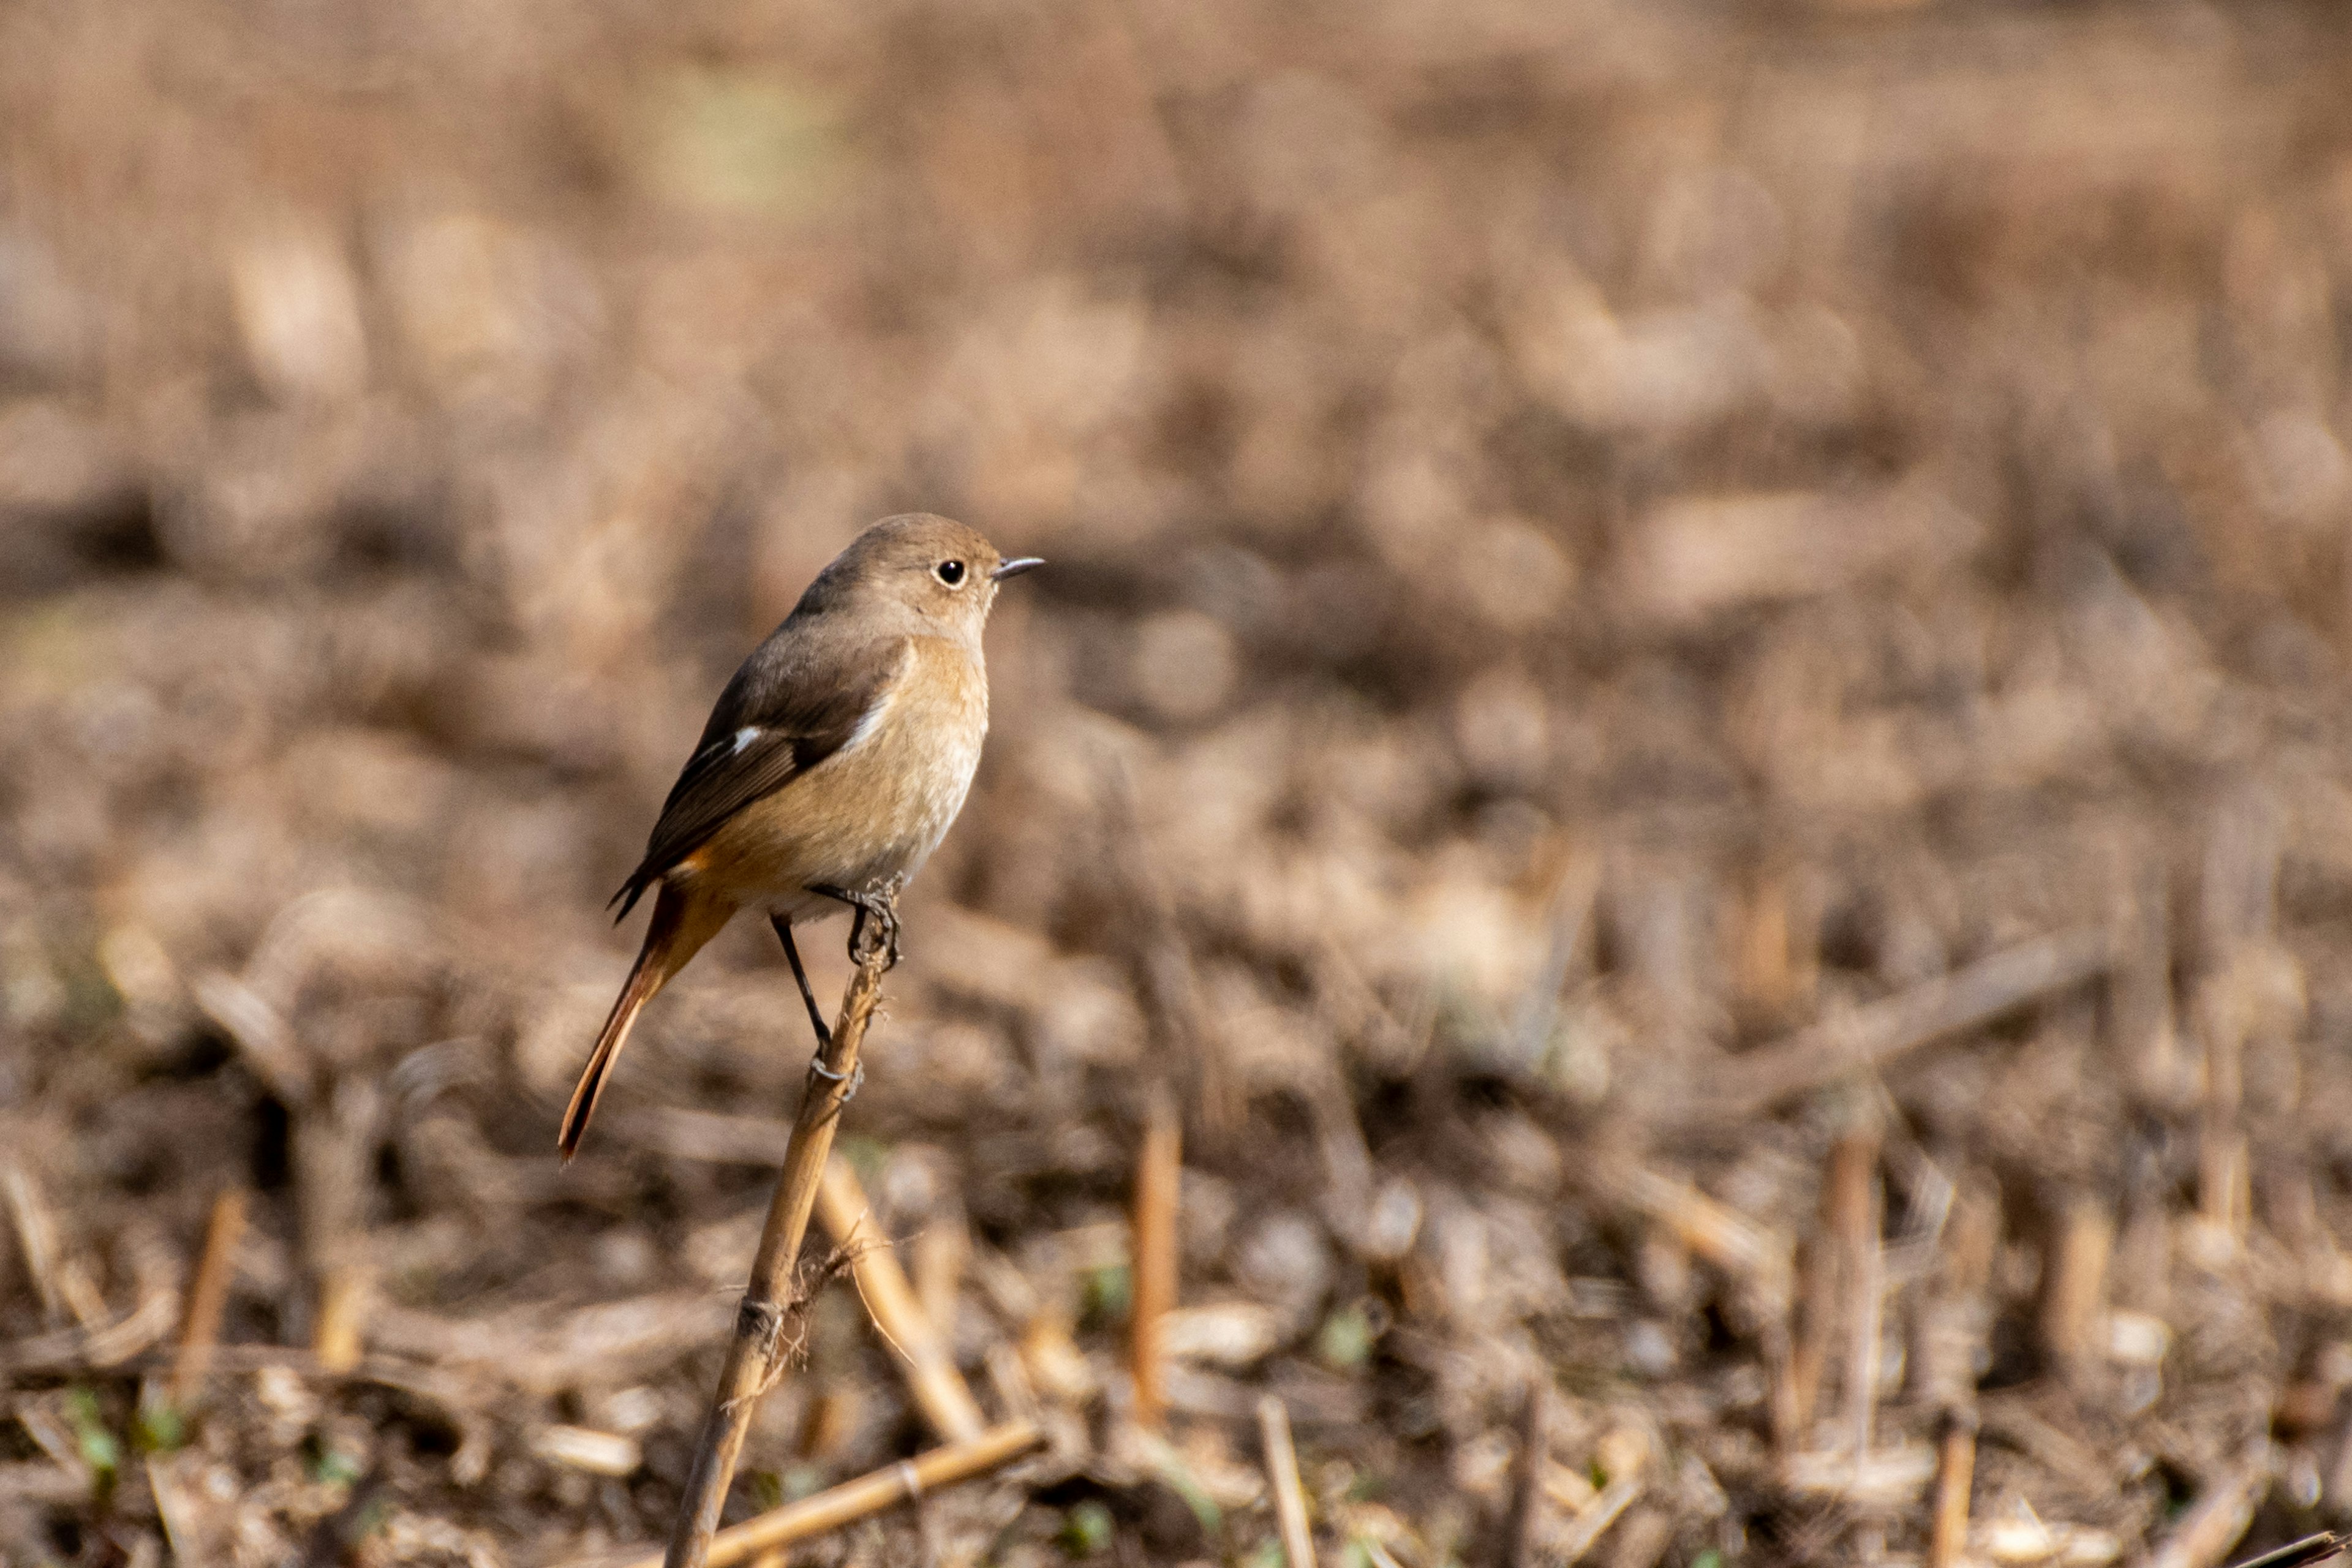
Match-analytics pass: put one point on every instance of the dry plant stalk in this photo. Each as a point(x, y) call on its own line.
point(1527, 1481)
point(1949, 1333)
point(941, 1252)
point(2219, 1519)
point(1166, 975)
point(2140, 1002)
point(2074, 1284)
point(338, 1337)
point(62, 1283)
point(1159, 1170)
point(1800, 1390)
point(868, 1494)
point(1855, 1217)
point(930, 1370)
point(1956, 1471)
point(1761, 1258)
point(1778, 958)
point(1872, 1035)
point(1585, 1532)
point(753, 1354)
point(208, 1294)
point(1282, 1480)
point(2223, 1179)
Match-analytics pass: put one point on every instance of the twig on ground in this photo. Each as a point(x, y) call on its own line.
point(547, 1350)
point(1840, 1289)
point(1586, 1529)
point(868, 1494)
point(1527, 1481)
point(2226, 1016)
point(1348, 1173)
point(1948, 1337)
point(2219, 1519)
point(1812, 1320)
point(208, 1294)
point(334, 1131)
point(60, 1281)
point(1779, 963)
point(1282, 1480)
point(1159, 1171)
point(191, 1522)
point(2075, 1282)
point(1576, 892)
point(936, 1267)
point(1166, 975)
point(1874, 1034)
point(1956, 1469)
point(2141, 1024)
point(339, 1336)
point(1854, 1220)
point(1014, 1393)
point(752, 1356)
point(929, 1368)
point(257, 1029)
point(1759, 1258)
point(333, 1153)
point(104, 1344)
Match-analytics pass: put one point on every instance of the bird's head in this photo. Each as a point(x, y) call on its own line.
point(934, 566)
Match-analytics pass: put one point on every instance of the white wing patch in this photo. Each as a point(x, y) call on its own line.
point(872, 718)
point(744, 737)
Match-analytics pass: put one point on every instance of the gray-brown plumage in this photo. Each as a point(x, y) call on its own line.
point(834, 760)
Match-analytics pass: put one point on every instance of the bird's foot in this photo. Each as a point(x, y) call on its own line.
point(874, 934)
point(874, 929)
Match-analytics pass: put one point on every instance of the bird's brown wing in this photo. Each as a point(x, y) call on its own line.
point(796, 702)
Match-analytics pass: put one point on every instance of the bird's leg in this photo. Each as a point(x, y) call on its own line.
point(792, 952)
point(816, 1020)
point(874, 927)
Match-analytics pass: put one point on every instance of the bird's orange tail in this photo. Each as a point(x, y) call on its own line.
point(681, 925)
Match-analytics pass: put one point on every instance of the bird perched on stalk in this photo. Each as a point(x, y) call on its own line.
point(830, 767)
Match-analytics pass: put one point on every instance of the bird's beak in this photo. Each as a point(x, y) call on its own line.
point(1015, 568)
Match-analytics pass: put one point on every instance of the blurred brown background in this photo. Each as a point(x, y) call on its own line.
point(1585, 537)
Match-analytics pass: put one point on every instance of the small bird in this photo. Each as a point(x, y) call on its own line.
point(832, 763)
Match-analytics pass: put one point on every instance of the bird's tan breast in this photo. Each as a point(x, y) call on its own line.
point(877, 807)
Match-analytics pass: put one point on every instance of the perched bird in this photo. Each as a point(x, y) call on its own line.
point(834, 762)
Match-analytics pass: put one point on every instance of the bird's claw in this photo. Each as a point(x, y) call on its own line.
point(874, 929)
point(876, 933)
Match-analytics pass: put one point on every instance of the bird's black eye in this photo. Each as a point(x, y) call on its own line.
point(949, 571)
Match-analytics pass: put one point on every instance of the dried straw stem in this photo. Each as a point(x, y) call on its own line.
point(752, 1355)
point(868, 1494)
point(1281, 1476)
point(1584, 1532)
point(2075, 1282)
point(60, 1280)
point(930, 1370)
point(2218, 1521)
point(208, 1294)
point(1871, 1036)
point(1159, 1171)
point(1956, 1473)
point(1527, 1481)
point(1853, 1202)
